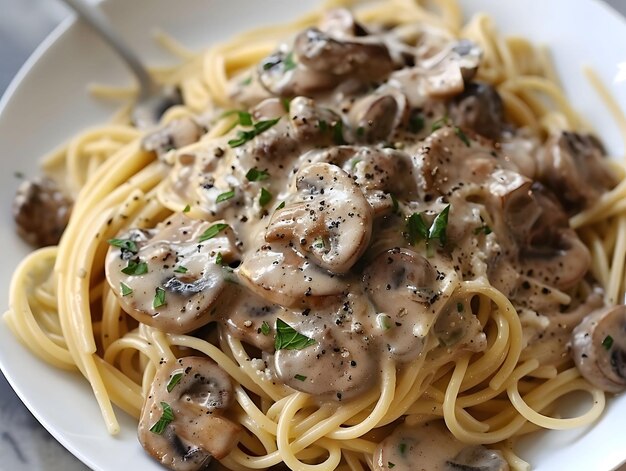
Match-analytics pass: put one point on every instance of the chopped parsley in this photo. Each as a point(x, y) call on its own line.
point(394, 203)
point(441, 122)
point(180, 269)
point(125, 289)
point(174, 380)
point(288, 62)
point(402, 448)
point(126, 245)
point(166, 418)
point(459, 132)
point(607, 343)
point(319, 243)
point(287, 338)
point(416, 122)
point(257, 128)
point(439, 226)
point(286, 102)
point(265, 328)
point(265, 197)
point(390, 464)
point(384, 321)
point(225, 196)
point(280, 206)
point(416, 229)
point(213, 231)
point(159, 298)
point(256, 175)
point(187, 209)
point(219, 259)
point(360, 131)
point(300, 377)
point(246, 82)
point(323, 125)
point(135, 268)
point(460, 307)
point(337, 130)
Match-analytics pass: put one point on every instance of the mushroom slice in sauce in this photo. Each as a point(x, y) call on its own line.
point(198, 392)
point(599, 348)
point(282, 275)
point(341, 364)
point(431, 447)
point(174, 135)
point(479, 108)
point(574, 167)
point(178, 285)
point(375, 116)
point(41, 211)
point(329, 219)
point(408, 293)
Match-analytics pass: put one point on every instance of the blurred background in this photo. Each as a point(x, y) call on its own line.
point(24, 444)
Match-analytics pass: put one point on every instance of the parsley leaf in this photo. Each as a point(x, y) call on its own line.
point(213, 231)
point(416, 229)
point(187, 209)
point(219, 259)
point(438, 227)
point(441, 122)
point(246, 81)
point(265, 328)
point(338, 133)
point(300, 377)
point(225, 196)
point(390, 465)
point(256, 175)
point(288, 62)
point(416, 122)
point(287, 338)
point(245, 136)
point(245, 118)
point(280, 206)
point(125, 289)
point(166, 418)
point(484, 229)
point(262, 126)
point(180, 269)
point(174, 380)
point(135, 268)
point(265, 197)
point(384, 321)
point(402, 448)
point(159, 298)
point(126, 245)
point(459, 132)
point(607, 343)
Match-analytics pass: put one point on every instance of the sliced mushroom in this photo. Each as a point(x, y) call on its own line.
point(408, 293)
point(431, 447)
point(479, 108)
point(341, 364)
point(283, 276)
point(599, 348)
point(574, 167)
point(458, 328)
point(312, 124)
point(329, 219)
point(169, 279)
point(198, 392)
point(41, 211)
point(174, 135)
point(375, 116)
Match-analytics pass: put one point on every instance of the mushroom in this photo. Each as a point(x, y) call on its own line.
point(41, 211)
point(408, 293)
point(341, 363)
point(442, 75)
point(573, 166)
point(176, 134)
point(458, 328)
point(196, 393)
point(599, 348)
point(547, 246)
point(376, 115)
point(282, 275)
point(479, 108)
point(431, 447)
point(319, 61)
point(313, 125)
point(168, 278)
point(329, 219)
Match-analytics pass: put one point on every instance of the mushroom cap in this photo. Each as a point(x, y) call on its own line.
point(189, 292)
point(198, 399)
point(328, 220)
point(599, 348)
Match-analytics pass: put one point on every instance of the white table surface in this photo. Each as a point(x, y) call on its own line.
point(24, 443)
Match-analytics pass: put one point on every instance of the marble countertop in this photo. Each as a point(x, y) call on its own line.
point(24, 443)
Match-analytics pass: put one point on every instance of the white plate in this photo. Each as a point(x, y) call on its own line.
point(47, 102)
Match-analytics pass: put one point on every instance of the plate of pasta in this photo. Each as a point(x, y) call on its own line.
point(367, 235)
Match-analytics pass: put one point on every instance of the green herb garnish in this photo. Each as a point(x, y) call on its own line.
point(607, 343)
point(287, 338)
point(416, 229)
point(174, 380)
point(441, 122)
point(288, 62)
point(159, 298)
point(187, 209)
point(225, 196)
point(338, 133)
point(384, 321)
point(166, 418)
point(280, 206)
point(135, 268)
point(180, 269)
point(258, 128)
point(126, 245)
point(265, 197)
point(213, 231)
point(416, 122)
point(459, 132)
point(265, 328)
point(125, 289)
point(300, 377)
point(219, 259)
point(438, 227)
point(256, 175)
point(484, 229)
